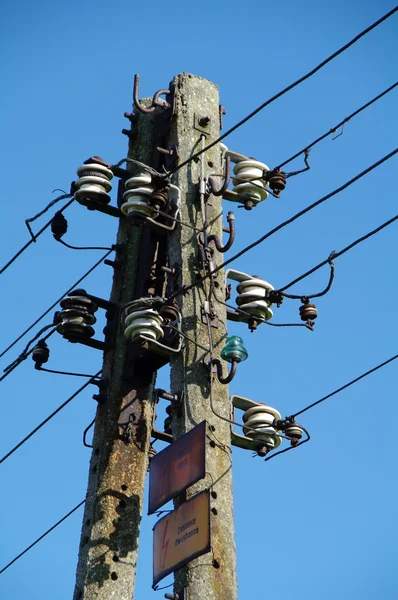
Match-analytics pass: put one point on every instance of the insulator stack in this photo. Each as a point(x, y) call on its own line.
point(138, 197)
point(258, 422)
point(59, 225)
point(248, 183)
point(151, 454)
point(142, 322)
point(94, 182)
point(253, 293)
point(40, 353)
point(293, 432)
point(276, 181)
point(76, 318)
point(308, 312)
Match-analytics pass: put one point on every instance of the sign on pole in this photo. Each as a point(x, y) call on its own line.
point(181, 536)
point(177, 467)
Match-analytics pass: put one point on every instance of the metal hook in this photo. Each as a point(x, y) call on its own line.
point(227, 176)
point(213, 238)
point(155, 100)
point(216, 363)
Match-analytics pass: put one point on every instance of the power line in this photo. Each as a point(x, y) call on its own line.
point(33, 239)
point(25, 353)
point(43, 536)
point(383, 364)
point(284, 224)
point(57, 301)
point(295, 415)
point(336, 127)
point(284, 91)
point(340, 253)
point(56, 411)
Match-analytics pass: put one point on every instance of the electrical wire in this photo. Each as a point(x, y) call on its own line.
point(24, 356)
point(335, 255)
point(84, 247)
point(42, 536)
point(56, 411)
point(343, 387)
point(185, 289)
point(39, 214)
point(57, 301)
point(31, 241)
point(285, 90)
point(336, 127)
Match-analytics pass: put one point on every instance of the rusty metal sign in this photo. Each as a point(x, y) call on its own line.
point(181, 536)
point(177, 467)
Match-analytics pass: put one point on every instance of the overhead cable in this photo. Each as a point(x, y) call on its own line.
point(285, 90)
point(343, 387)
point(337, 127)
point(284, 224)
point(34, 238)
point(42, 536)
point(56, 411)
point(339, 253)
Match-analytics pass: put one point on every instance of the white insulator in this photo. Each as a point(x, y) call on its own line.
point(253, 293)
point(258, 425)
point(136, 197)
point(93, 183)
point(294, 432)
point(143, 323)
point(253, 186)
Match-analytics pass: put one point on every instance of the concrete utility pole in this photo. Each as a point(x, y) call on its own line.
point(110, 534)
point(109, 539)
point(196, 121)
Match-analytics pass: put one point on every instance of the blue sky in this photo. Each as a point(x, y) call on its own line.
point(317, 522)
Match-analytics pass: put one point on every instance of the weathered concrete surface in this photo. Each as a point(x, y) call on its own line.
point(198, 97)
point(109, 540)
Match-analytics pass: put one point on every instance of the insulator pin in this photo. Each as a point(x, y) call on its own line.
point(308, 312)
point(76, 318)
point(276, 181)
point(59, 225)
point(94, 181)
point(169, 312)
point(40, 353)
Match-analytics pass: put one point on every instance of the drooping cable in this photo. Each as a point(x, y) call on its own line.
point(284, 224)
point(57, 301)
point(56, 411)
point(42, 536)
point(285, 90)
point(337, 127)
point(335, 255)
point(31, 241)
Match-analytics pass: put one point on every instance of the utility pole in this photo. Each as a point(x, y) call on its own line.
point(197, 122)
point(110, 532)
point(149, 261)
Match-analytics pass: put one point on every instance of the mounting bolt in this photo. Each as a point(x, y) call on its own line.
point(204, 121)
